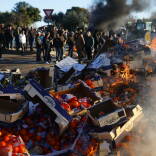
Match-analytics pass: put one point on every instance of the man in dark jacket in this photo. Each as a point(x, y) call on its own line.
point(70, 43)
point(89, 45)
point(9, 37)
point(47, 40)
point(80, 43)
point(2, 42)
point(39, 43)
point(58, 44)
point(31, 37)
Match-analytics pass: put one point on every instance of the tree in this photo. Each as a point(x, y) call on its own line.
point(25, 14)
point(76, 17)
point(7, 18)
point(58, 18)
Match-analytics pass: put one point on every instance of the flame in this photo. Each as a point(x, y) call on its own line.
point(92, 149)
point(153, 45)
point(125, 72)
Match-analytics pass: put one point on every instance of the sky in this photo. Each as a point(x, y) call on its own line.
point(57, 5)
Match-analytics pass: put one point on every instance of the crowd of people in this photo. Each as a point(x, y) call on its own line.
point(42, 41)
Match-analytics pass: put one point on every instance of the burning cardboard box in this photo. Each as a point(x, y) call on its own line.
point(12, 107)
point(117, 132)
point(106, 113)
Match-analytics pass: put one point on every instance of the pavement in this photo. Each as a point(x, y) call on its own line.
point(25, 62)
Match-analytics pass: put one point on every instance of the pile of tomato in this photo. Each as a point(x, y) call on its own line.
point(11, 144)
point(73, 102)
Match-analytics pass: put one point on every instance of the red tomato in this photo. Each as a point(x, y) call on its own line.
point(75, 104)
point(16, 149)
point(6, 138)
point(22, 149)
point(66, 106)
point(2, 143)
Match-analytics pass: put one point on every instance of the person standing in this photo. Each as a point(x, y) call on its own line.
point(38, 46)
point(22, 38)
point(80, 43)
point(9, 37)
point(31, 37)
point(47, 40)
point(17, 39)
point(58, 44)
point(2, 42)
point(89, 45)
point(70, 42)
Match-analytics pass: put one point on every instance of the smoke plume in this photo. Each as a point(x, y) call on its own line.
point(146, 147)
point(108, 14)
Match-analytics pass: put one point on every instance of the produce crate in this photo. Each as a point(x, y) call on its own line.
point(12, 107)
point(80, 90)
point(106, 113)
point(36, 93)
point(117, 132)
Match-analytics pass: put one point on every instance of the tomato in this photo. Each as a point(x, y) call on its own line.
point(6, 138)
point(2, 143)
point(22, 149)
point(66, 106)
point(75, 104)
point(16, 149)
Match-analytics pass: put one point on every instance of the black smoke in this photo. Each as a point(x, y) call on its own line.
point(108, 14)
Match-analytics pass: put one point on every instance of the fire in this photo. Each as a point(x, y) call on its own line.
point(125, 72)
point(92, 149)
point(153, 45)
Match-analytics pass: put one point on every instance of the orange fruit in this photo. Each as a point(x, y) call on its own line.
point(6, 138)
point(16, 149)
point(2, 143)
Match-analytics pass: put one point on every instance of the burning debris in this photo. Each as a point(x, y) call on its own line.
point(93, 113)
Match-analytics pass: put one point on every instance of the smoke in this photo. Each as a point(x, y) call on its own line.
point(108, 14)
point(146, 147)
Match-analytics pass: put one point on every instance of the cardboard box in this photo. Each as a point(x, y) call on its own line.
point(106, 113)
point(12, 107)
point(81, 90)
point(135, 115)
point(117, 133)
point(36, 93)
